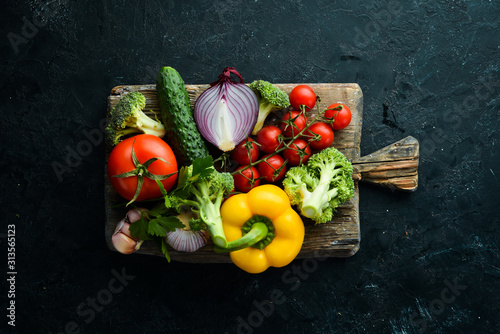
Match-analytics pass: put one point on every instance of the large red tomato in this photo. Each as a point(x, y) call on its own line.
point(146, 147)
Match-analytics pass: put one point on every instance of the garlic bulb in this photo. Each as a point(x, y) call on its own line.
point(122, 239)
point(184, 239)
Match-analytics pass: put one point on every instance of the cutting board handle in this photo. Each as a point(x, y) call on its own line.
point(394, 166)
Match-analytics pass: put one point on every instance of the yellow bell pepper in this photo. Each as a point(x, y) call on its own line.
point(266, 219)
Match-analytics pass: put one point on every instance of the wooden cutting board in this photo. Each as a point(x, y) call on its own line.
point(394, 166)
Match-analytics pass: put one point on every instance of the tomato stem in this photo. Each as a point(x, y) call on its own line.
point(141, 171)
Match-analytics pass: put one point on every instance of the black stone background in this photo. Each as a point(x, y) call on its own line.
point(429, 69)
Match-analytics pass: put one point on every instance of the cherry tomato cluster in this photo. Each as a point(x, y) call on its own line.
point(290, 143)
point(270, 168)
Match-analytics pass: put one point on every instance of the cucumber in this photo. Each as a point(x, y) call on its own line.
point(177, 116)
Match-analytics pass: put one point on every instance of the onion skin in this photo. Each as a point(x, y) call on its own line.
point(226, 113)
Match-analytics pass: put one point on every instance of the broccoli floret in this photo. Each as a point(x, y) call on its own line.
point(127, 118)
point(322, 185)
point(203, 188)
point(270, 98)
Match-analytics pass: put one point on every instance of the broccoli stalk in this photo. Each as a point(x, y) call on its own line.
point(270, 98)
point(322, 185)
point(202, 188)
point(207, 195)
point(128, 118)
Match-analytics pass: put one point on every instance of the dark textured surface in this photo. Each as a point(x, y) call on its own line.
point(429, 69)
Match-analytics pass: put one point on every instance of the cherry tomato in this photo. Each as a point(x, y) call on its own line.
point(302, 95)
point(292, 123)
point(145, 147)
point(297, 153)
point(268, 169)
point(324, 131)
point(245, 152)
point(246, 179)
point(342, 117)
point(269, 138)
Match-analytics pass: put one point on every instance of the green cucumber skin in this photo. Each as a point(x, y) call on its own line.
point(177, 116)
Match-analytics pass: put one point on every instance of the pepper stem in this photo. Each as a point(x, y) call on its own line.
point(258, 232)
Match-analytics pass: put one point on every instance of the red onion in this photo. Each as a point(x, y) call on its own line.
point(226, 113)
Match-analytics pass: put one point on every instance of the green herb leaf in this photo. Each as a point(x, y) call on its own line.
point(183, 177)
point(156, 228)
point(164, 249)
point(170, 223)
point(157, 210)
point(182, 193)
point(139, 229)
point(162, 188)
point(164, 193)
point(203, 166)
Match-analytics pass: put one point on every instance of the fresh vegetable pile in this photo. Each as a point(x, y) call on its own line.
point(220, 175)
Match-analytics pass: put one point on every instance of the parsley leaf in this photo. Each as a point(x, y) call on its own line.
point(159, 226)
point(158, 210)
point(156, 229)
point(203, 167)
point(139, 229)
point(170, 223)
point(164, 250)
point(164, 193)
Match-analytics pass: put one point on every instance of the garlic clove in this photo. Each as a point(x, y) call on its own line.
point(122, 239)
point(186, 240)
point(124, 244)
point(134, 215)
point(124, 227)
